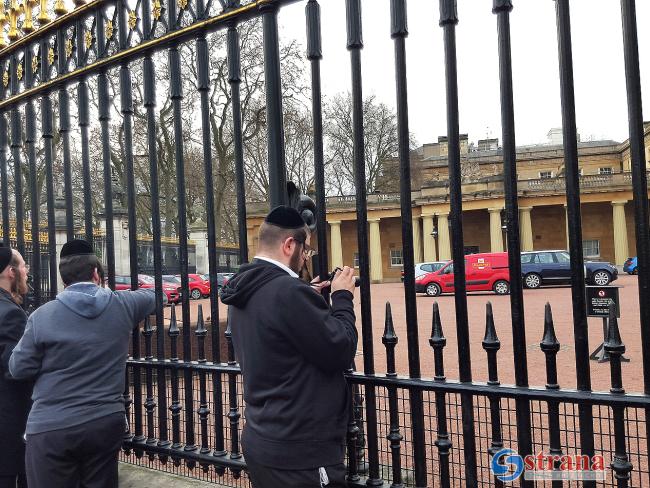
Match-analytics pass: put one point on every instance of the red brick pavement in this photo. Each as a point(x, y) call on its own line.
point(534, 300)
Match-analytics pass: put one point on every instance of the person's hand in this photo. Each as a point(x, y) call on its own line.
point(344, 280)
point(319, 285)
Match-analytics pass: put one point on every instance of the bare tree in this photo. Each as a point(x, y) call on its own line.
point(380, 142)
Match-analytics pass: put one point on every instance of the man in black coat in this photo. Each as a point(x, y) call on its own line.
point(293, 349)
point(14, 395)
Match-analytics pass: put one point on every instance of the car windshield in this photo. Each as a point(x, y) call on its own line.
point(147, 279)
point(171, 278)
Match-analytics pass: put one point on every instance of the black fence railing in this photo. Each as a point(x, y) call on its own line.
point(184, 395)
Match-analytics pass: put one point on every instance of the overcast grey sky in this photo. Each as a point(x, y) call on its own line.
point(597, 50)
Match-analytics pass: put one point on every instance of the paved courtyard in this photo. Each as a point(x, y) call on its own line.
point(534, 300)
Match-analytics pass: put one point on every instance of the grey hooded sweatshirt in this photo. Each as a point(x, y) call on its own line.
point(75, 348)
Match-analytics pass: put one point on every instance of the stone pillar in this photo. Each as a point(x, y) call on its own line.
point(429, 240)
point(444, 243)
point(417, 241)
point(335, 243)
point(621, 249)
point(376, 265)
point(525, 229)
point(120, 241)
point(199, 234)
point(496, 233)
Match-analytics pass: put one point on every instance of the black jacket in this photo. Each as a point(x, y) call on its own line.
point(293, 350)
point(14, 395)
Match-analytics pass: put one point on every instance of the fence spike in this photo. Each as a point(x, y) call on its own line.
point(549, 342)
point(614, 343)
point(390, 341)
point(491, 341)
point(173, 325)
point(201, 332)
point(550, 346)
point(437, 339)
point(437, 342)
point(389, 336)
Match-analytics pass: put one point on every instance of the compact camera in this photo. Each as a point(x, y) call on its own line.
point(357, 280)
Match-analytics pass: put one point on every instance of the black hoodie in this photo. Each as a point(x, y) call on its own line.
point(293, 350)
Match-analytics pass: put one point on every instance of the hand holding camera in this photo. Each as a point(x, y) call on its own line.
point(344, 279)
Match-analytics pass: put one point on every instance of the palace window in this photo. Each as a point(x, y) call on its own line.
point(396, 258)
point(545, 174)
point(591, 248)
point(605, 171)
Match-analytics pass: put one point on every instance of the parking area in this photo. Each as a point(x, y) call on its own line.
point(534, 301)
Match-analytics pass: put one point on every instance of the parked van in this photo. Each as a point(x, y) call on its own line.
point(483, 272)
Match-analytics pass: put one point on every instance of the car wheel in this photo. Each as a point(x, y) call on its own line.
point(502, 287)
point(636, 271)
point(602, 278)
point(433, 290)
point(532, 280)
point(196, 294)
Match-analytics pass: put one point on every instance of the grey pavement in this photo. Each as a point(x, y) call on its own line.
point(138, 477)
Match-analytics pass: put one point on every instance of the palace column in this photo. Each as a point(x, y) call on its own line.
point(496, 233)
point(428, 238)
point(621, 249)
point(335, 243)
point(444, 242)
point(525, 229)
point(417, 240)
point(376, 265)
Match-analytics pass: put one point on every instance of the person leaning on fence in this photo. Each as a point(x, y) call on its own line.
point(14, 395)
point(75, 348)
point(293, 350)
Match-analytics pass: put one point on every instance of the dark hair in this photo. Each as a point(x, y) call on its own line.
point(14, 262)
point(272, 235)
point(78, 268)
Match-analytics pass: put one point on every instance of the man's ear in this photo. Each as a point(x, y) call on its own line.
point(96, 278)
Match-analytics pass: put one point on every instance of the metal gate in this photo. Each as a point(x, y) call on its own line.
point(185, 406)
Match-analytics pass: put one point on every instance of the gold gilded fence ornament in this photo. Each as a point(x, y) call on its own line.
point(157, 9)
point(88, 39)
point(59, 8)
point(43, 17)
point(14, 12)
point(28, 24)
point(109, 29)
point(34, 64)
point(68, 48)
point(133, 19)
point(19, 71)
point(3, 22)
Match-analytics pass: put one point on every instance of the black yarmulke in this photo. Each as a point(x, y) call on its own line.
point(76, 247)
point(285, 217)
point(5, 257)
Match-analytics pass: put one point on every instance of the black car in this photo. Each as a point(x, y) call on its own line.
point(554, 267)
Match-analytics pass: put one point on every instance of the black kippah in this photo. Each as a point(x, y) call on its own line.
point(285, 217)
point(5, 256)
point(76, 247)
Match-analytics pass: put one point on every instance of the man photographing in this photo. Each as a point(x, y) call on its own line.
point(14, 395)
point(75, 349)
point(293, 349)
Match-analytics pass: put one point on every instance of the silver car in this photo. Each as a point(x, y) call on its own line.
point(424, 268)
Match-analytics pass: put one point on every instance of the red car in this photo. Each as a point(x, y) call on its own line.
point(145, 281)
point(199, 286)
point(483, 272)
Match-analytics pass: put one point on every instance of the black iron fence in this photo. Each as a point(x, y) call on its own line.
point(184, 394)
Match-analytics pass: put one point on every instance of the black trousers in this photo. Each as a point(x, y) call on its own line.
point(83, 456)
point(15, 481)
point(266, 477)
